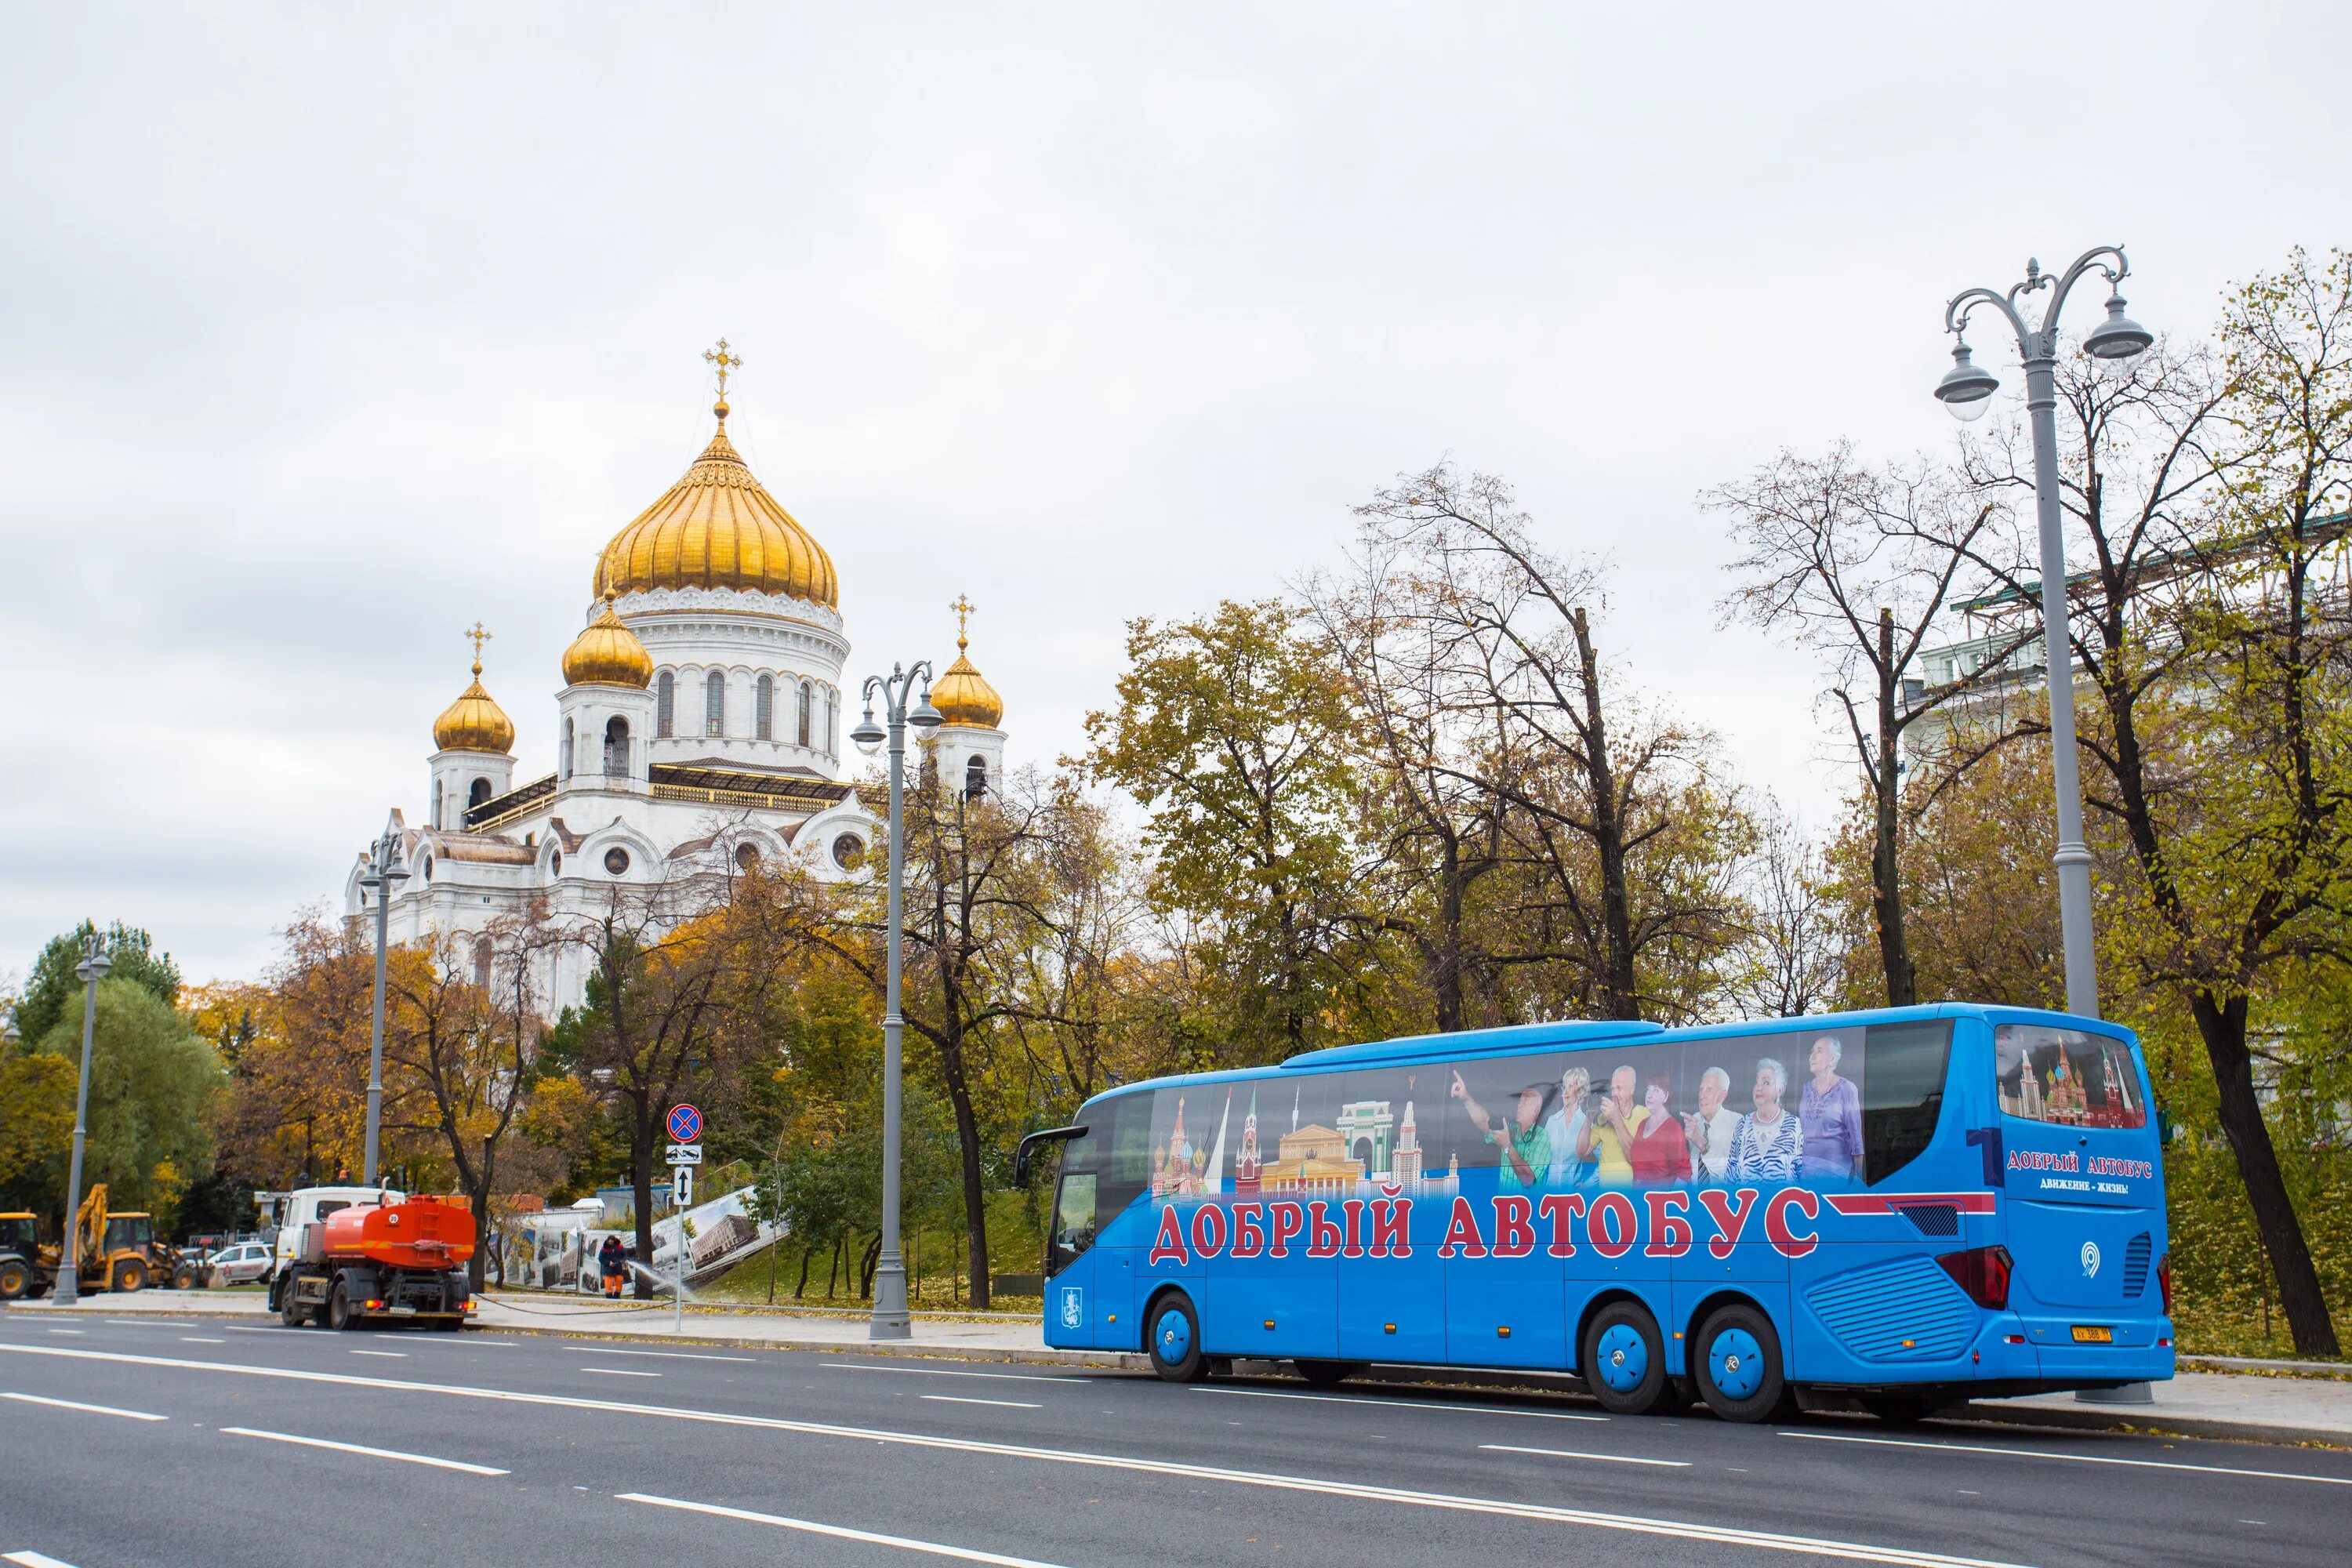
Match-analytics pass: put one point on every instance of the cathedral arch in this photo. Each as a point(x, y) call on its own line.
point(566, 749)
point(616, 748)
point(807, 699)
point(477, 793)
point(763, 707)
point(975, 778)
point(666, 704)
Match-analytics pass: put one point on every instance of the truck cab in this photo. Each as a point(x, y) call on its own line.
point(311, 1207)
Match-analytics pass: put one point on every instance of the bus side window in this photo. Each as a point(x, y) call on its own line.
point(1124, 1157)
point(1903, 1070)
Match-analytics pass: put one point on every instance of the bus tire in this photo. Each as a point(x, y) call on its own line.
point(1737, 1360)
point(1625, 1359)
point(1327, 1374)
point(1173, 1340)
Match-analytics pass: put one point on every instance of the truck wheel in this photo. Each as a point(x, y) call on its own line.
point(131, 1274)
point(291, 1312)
point(184, 1278)
point(16, 1280)
point(339, 1308)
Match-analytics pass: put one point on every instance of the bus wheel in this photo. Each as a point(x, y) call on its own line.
point(1625, 1362)
point(1176, 1340)
point(1740, 1366)
point(1327, 1374)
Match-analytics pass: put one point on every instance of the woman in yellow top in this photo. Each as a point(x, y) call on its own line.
point(1610, 1131)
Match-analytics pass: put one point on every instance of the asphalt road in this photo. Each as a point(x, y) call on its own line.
point(193, 1442)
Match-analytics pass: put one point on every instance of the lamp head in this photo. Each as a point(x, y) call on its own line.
point(2119, 340)
point(1966, 389)
point(925, 716)
point(97, 966)
point(868, 735)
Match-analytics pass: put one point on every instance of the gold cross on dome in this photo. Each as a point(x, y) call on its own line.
point(480, 636)
point(964, 607)
point(725, 361)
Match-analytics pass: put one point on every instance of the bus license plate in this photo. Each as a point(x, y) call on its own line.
point(2089, 1334)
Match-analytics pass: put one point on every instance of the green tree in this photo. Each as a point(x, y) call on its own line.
point(153, 1082)
point(53, 991)
point(36, 1096)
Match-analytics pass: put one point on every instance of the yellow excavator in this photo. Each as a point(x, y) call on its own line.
point(112, 1252)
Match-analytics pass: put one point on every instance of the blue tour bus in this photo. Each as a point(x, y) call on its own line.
point(1911, 1206)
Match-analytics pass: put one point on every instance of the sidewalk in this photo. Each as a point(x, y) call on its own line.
point(2256, 1406)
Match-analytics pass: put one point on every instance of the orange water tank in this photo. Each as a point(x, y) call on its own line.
point(420, 1233)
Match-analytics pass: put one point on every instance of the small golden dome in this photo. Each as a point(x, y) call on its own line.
point(718, 528)
point(607, 654)
point(962, 695)
point(474, 722)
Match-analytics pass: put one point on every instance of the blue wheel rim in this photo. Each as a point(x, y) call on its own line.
point(1622, 1357)
point(1735, 1363)
point(1172, 1337)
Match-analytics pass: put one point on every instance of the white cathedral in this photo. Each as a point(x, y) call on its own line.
point(700, 732)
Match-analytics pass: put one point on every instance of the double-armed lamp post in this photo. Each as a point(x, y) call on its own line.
point(890, 1321)
point(384, 871)
point(93, 969)
point(1966, 391)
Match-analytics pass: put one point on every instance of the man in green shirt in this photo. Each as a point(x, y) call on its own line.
point(1525, 1145)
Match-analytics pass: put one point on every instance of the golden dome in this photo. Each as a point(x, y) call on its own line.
point(474, 722)
point(607, 654)
point(718, 528)
point(963, 696)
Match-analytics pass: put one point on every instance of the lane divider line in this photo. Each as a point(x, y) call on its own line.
point(1006, 1404)
point(617, 1372)
point(396, 1355)
point(1405, 1404)
point(363, 1448)
point(33, 1560)
point(78, 1404)
point(839, 1533)
point(200, 1339)
point(1572, 1453)
point(1726, 1535)
point(943, 1371)
point(2073, 1459)
point(678, 1355)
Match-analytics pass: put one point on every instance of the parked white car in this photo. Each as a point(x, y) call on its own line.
point(239, 1265)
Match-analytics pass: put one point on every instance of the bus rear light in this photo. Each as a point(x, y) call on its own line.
point(1983, 1273)
point(2164, 1280)
point(2012, 1339)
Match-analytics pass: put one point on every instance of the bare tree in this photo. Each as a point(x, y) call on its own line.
point(1791, 964)
point(1860, 563)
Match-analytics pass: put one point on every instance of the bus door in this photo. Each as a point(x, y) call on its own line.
point(1392, 1302)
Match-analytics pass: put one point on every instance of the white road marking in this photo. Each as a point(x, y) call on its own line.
point(677, 1355)
point(935, 1548)
point(617, 1372)
point(363, 1448)
point(1634, 1524)
point(132, 1323)
point(1405, 1404)
point(396, 1355)
point(200, 1339)
point(2074, 1458)
point(65, 1331)
point(241, 1329)
point(1007, 1403)
point(943, 1371)
point(34, 1560)
point(1571, 1454)
point(77, 1404)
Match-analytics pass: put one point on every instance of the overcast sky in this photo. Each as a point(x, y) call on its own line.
point(324, 331)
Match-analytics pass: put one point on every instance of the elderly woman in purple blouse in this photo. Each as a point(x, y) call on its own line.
point(1830, 1114)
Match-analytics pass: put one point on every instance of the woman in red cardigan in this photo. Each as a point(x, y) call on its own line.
point(1660, 1153)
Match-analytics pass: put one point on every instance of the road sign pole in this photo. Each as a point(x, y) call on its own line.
point(685, 1154)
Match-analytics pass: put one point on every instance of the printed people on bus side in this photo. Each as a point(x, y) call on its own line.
point(1830, 1114)
point(1565, 1127)
point(1710, 1129)
point(1526, 1147)
point(1612, 1127)
point(1768, 1144)
point(1660, 1152)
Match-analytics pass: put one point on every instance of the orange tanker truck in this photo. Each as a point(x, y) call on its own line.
point(397, 1259)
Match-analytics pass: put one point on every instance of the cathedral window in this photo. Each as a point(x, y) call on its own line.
point(746, 855)
point(763, 708)
point(616, 748)
point(714, 703)
point(807, 699)
point(832, 721)
point(616, 860)
point(975, 778)
point(665, 705)
point(477, 793)
point(482, 959)
point(567, 748)
point(846, 848)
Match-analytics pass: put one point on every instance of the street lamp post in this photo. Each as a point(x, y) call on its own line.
point(1966, 391)
point(93, 969)
point(384, 871)
point(890, 1321)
